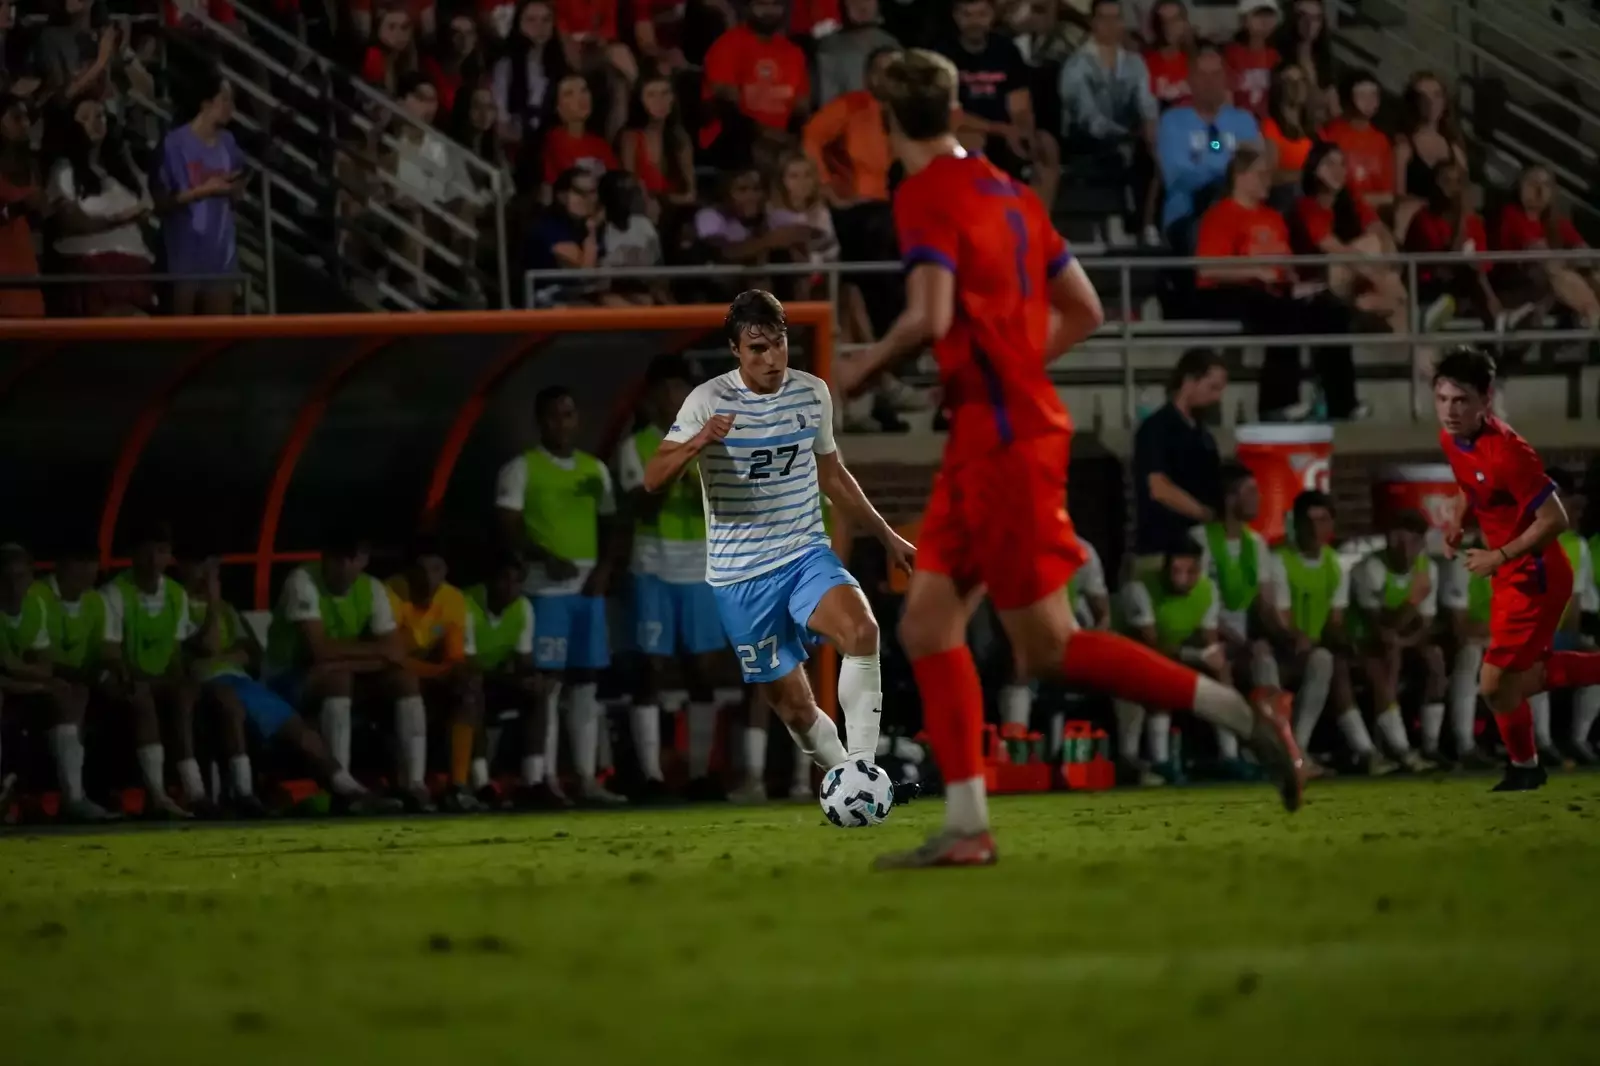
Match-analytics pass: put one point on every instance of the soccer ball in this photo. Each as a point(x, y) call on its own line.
point(856, 794)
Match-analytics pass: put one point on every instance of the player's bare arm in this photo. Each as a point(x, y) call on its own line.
point(673, 457)
point(515, 532)
point(930, 308)
point(1078, 311)
point(1455, 524)
point(841, 486)
point(1549, 522)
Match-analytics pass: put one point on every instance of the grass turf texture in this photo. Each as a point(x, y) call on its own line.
point(1390, 922)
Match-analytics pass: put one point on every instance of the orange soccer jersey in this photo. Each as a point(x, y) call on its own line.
point(437, 635)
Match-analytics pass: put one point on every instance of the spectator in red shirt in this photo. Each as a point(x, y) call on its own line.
point(1250, 56)
point(21, 201)
point(457, 61)
point(1367, 151)
point(1328, 220)
point(1430, 137)
point(1167, 58)
point(1447, 223)
point(1262, 298)
point(1534, 222)
point(588, 30)
point(393, 51)
point(655, 147)
point(533, 61)
point(569, 142)
point(757, 86)
point(424, 18)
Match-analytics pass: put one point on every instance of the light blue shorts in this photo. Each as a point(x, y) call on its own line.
point(766, 617)
point(264, 708)
point(668, 618)
point(569, 633)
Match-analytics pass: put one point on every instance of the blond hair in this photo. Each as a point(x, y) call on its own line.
point(919, 88)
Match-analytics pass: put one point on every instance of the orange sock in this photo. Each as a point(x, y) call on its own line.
point(1121, 667)
point(952, 711)
point(461, 736)
point(1516, 729)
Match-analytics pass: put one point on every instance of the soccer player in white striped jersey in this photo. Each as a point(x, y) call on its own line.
point(763, 435)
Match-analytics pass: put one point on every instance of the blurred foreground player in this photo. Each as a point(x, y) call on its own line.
point(992, 286)
point(1504, 485)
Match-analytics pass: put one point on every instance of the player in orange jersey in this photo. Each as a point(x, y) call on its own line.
point(994, 288)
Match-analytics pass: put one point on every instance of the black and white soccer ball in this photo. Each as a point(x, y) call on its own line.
point(856, 794)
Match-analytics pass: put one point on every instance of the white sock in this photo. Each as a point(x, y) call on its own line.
point(674, 700)
point(728, 697)
point(1540, 705)
point(1313, 695)
point(1227, 745)
point(533, 770)
point(552, 732)
point(343, 784)
point(702, 736)
point(1058, 724)
point(1220, 705)
point(244, 782)
point(1585, 709)
point(67, 747)
point(194, 785)
point(861, 700)
point(152, 766)
point(1432, 726)
point(583, 729)
point(478, 778)
point(1130, 729)
point(1354, 728)
point(1016, 705)
point(966, 806)
point(802, 772)
point(755, 753)
point(1158, 728)
point(336, 728)
point(1464, 696)
point(1264, 670)
point(646, 723)
point(1393, 730)
point(411, 734)
point(820, 741)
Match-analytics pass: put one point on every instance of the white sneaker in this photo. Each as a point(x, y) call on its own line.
point(903, 397)
point(84, 810)
point(1152, 237)
point(161, 805)
point(592, 791)
point(798, 791)
point(1376, 765)
point(1439, 314)
point(751, 792)
point(1417, 763)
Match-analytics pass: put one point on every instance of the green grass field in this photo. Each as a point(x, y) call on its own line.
point(1397, 922)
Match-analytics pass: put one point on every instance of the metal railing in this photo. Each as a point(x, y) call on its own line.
point(1122, 334)
point(42, 281)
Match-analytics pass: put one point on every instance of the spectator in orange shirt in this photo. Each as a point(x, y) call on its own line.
point(1288, 128)
point(757, 89)
point(569, 140)
point(1533, 221)
point(1167, 58)
point(21, 196)
point(1367, 151)
point(1447, 223)
point(847, 140)
point(431, 617)
point(1250, 56)
point(1262, 297)
point(424, 18)
point(393, 51)
point(655, 147)
point(1328, 220)
point(1430, 137)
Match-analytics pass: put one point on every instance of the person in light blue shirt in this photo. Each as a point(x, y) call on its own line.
point(1105, 88)
point(1194, 145)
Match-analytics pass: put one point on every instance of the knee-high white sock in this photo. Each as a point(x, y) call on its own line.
point(733, 696)
point(1540, 705)
point(1058, 724)
point(342, 784)
point(674, 700)
point(153, 766)
point(820, 742)
point(1464, 696)
point(861, 700)
point(1222, 706)
point(411, 733)
point(335, 722)
point(1016, 705)
point(1227, 744)
point(194, 785)
point(552, 733)
point(1354, 728)
point(67, 747)
point(1264, 669)
point(702, 737)
point(1130, 729)
point(583, 728)
point(646, 724)
point(478, 774)
point(1313, 695)
point(533, 770)
point(1432, 726)
point(755, 753)
point(244, 782)
point(1393, 729)
point(1158, 731)
point(966, 806)
point(1585, 709)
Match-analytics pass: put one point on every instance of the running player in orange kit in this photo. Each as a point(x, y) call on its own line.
point(1504, 485)
point(993, 287)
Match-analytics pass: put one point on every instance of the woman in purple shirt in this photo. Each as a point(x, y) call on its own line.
point(201, 173)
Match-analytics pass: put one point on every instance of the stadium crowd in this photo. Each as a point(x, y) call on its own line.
point(588, 624)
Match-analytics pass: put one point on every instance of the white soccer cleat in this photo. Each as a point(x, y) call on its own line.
point(592, 791)
point(750, 793)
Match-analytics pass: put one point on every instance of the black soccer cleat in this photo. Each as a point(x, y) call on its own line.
point(1522, 779)
point(905, 792)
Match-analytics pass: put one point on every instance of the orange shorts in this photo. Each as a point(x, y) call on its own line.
point(1001, 520)
point(1526, 610)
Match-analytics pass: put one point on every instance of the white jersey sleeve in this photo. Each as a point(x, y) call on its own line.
point(606, 506)
point(1341, 592)
point(511, 486)
point(630, 467)
point(382, 623)
point(1213, 615)
point(299, 601)
point(111, 596)
point(1454, 587)
point(1366, 584)
point(1429, 607)
point(692, 416)
point(1137, 608)
point(1588, 595)
point(1092, 574)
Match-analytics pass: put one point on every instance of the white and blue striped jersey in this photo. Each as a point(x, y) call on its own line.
point(763, 506)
